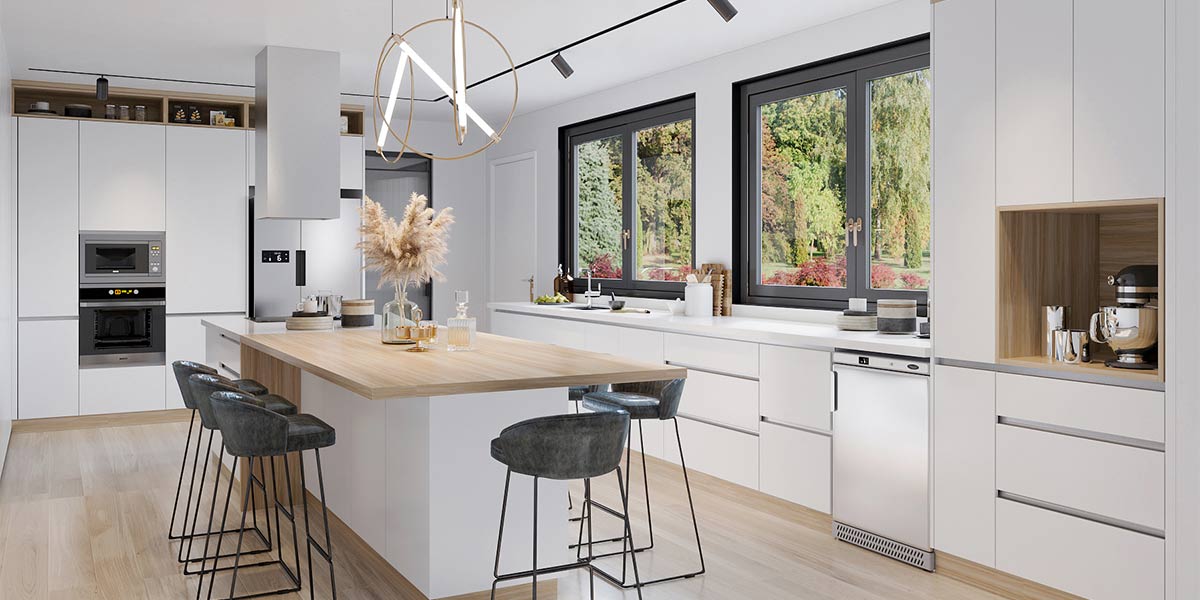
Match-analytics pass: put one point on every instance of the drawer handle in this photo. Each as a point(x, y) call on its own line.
point(235, 374)
point(1094, 436)
point(717, 424)
point(1081, 514)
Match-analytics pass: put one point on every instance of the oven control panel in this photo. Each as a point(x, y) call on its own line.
point(155, 258)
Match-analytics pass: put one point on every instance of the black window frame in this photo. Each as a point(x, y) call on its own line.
point(854, 72)
point(625, 124)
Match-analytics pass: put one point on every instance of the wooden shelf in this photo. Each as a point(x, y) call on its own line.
point(1063, 254)
point(1096, 367)
point(157, 102)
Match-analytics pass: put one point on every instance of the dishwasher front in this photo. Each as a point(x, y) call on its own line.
point(881, 455)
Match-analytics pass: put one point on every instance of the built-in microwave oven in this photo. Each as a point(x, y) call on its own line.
point(121, 257)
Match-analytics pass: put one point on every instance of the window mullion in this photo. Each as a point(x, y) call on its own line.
point(628, 204)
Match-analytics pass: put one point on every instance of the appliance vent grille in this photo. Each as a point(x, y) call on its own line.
point(876, 543)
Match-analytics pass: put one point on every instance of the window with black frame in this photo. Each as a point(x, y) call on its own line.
point(834, 181)
point(628, 181)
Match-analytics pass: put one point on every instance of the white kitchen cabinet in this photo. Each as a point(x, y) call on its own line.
point(1106, 409)
point(640, 344)
point(605, 339)
point(1082, 557)
point(47, 217)
point(721, 399)
point(1033, 101)
point(1119, 99)
point(720, 452)
point(223, 353)
point(250, 159)
point(964, 463)
point(47, 369)
point(964, 184)
point(1102, 478)
point(185, 341)
point(712, 354)
point(795, 465)
point(795, 386)
point(352, 157)
point(121, 389)
point(122, 177)
point(206, 216)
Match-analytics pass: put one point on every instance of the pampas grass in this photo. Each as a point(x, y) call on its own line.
point(409, 251)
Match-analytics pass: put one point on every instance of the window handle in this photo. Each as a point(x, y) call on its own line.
point(853, 226)
point(625, 239)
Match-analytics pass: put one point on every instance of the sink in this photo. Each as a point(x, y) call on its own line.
point(586, 307)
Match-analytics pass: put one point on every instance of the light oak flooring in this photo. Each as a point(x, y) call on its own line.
point(84, 513)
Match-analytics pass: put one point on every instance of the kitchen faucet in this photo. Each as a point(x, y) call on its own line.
point(589, 294)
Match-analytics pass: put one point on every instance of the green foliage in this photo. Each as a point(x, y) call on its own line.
point(664, 195)
point(599, 209)
point(900, 143)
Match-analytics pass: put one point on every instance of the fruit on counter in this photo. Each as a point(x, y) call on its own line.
point(555, 299)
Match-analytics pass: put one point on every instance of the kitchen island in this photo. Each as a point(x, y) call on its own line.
point(411, 473)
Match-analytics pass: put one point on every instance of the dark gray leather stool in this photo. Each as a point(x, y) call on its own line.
point(561, 447)
point(200, 387)
point(184, 369)
point(647, 400)
point(251, 430)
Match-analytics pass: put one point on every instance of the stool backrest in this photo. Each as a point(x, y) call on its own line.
point(184, 369)
point(203, 385)
point(571, 446)
point(668, 392)
point(247, 427)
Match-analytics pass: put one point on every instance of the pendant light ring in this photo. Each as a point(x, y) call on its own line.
point(393, 42)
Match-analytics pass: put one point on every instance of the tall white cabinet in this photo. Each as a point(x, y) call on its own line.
point(206, 217)
point(48, 368)
point(47, 218)
point(964, 180)
point(122, 181)
point(964, 463)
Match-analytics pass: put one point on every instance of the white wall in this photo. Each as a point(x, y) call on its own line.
point(458, 184)
point(8, 251)
point(712, 82)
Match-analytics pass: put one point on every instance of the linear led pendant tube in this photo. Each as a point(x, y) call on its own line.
point(445, 87)
point(460, 69)
point(391, 104)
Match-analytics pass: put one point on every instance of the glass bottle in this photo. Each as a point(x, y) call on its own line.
point(461, 334)
point(398, 318)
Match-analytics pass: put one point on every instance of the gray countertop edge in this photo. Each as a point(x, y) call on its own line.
point(1154, 386)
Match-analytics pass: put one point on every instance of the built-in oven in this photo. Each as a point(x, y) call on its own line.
point(121, 257)
point(122, 325)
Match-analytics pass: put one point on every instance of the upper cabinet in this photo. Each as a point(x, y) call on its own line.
point(47, 218)
point(352, 157)
point(1033, 101)
point(963, 294)
point(122, 177)
point(206, 220)
point(1119, 99)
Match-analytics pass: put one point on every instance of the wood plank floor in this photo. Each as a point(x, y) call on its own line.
point(84, 514)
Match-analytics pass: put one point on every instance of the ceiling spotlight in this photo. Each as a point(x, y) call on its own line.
point(561, 64)
point(724, 8)
point(102, 88)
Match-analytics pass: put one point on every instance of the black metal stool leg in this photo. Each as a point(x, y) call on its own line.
point(587, 498)
point(500, 536)
point(535, 536)
point(237, 555)
point(310, 541)
point(179, 485)
point(207, 538)
point(616, 513)
point(252, 481)
point(186, 508)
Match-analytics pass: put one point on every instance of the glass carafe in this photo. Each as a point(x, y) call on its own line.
point(460, 328)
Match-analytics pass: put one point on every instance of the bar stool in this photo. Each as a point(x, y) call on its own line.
point(184, 369)
point(201, 386)
point(575, 394)
point(251, 430)
point(647, 400)
point(561, 447)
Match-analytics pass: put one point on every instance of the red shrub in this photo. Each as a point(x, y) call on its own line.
point(817, 272)
point(602, 268)
point(913, 281)
point(882, 277)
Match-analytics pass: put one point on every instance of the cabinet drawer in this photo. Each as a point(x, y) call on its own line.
point(722, 356)
point(794, 465)
point(795, 386)
point(727, 400)
point(720, 452)
point(121, 390)
point(1078, 556)
point(1098, 477)
point(224, 353)
point(1107, 409)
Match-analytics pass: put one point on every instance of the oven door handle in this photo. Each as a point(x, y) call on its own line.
point(120, 304)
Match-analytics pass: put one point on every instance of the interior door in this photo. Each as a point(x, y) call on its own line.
point(512, 202)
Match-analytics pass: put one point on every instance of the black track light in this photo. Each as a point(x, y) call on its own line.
point(561, 64)
point(724, 8)
point(102, 88)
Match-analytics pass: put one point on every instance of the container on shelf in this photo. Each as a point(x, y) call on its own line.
point(139, 113)
point(110, 111)
point(698, 300)
point(460, 328)
point(124, 112)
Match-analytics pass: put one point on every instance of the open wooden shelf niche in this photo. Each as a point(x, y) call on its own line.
point(1063, 254)
point(157, 102)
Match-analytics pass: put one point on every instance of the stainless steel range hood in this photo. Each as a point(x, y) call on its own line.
point(297, 105)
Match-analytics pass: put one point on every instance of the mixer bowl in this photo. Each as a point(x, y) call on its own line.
point(1132, 332)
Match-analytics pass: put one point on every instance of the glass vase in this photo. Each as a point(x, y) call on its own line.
point(398, 318)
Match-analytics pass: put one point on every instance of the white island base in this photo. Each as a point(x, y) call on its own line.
point(414, 478)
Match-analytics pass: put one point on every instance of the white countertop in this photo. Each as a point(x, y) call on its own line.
point(235, 326)
point(765, 331)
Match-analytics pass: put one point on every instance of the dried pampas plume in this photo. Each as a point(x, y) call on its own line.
point(409, 251)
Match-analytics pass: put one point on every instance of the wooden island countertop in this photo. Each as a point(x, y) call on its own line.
point(357, 361)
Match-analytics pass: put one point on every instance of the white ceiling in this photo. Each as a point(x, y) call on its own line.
point(217, 40)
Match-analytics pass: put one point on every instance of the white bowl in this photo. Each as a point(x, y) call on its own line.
point(676, 307)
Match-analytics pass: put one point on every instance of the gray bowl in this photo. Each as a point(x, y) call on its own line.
point(897, 326)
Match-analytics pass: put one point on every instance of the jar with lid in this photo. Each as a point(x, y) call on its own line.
point(124, 112)
point(461, 328)
point(110, 111)
point(139, 113)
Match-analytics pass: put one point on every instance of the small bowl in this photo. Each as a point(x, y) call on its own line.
point(676, 307)
point(616, 304)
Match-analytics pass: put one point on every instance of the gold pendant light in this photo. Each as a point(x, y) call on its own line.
point(456, 89)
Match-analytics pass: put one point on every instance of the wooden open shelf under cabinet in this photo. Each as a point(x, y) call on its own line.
point(1063, 254)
